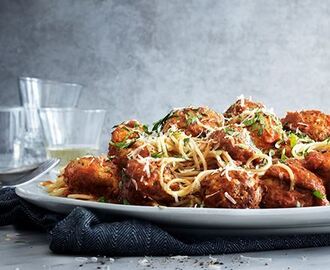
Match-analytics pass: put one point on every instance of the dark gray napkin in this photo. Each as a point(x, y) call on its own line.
point(83, 232)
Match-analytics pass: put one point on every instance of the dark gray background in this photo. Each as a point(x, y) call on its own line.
point(138, 59)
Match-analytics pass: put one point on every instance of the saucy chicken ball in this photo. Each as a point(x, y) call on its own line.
point(193, 121)
point(265, 131)
point(236, 190)
point(95, 176)
point(124, 140)
point(142, 183)
point(313, 123)
point(319, 163)
point(305, 189)
point(265, 128)
point(240, 106)
point(235, 140)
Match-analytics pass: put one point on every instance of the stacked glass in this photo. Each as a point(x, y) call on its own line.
point(35, 94)
point(47, 125)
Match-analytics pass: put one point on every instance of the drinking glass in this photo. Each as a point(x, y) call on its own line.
point(71, 133)
point(11, 137)
point(37, 93)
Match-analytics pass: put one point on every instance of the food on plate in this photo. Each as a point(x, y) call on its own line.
point(242, 104)
point(319, 163)
point(231, 189)
point(312, 123)
point(124, 140)
point(146, 182)
point(264, 127)
point(193, 121)
point(197, 157)
point(95, 178)
point(290, 184)
point(234, 140)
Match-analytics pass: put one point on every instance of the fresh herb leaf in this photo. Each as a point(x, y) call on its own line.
point(283, 156)
point(185, 140)
point(158, 125)
point(293, 139)
point(261, 119)
point(126, 202)
point(260, 131)
point(176, 133)
point(123, 144)
point(258, 123)
point(229, 131)
point(102, 199)
point(146, 129)
point(157, 155)
point(192, 118)
point(318, 194)
point(249, 122)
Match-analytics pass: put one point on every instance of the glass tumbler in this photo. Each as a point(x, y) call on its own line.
point(12, 132)
point(37, 93)
point(71, 133)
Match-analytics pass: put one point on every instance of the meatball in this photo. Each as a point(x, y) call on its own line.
point(235, 140)
point(265, 132)
point(124, 140)
point(240, 106)
point(238, 190)
point(142, 184)
point(264, 127)
point(306, 190)
point(193, 121)
point(313, 123)
point(95, 176)
point(319, 163)
point(278, 195)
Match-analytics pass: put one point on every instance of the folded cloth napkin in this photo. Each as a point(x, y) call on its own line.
point(84, 232)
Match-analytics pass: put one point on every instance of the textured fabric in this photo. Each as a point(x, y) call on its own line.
point(83, 232)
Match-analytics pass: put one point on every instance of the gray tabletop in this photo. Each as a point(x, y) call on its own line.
point(21, 249)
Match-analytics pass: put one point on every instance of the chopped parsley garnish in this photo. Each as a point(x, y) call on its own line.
point(258, 123)
point(101, 199)
point(249, 122)
point(306, 151)
point(125, 202)
point(229, 131)
point(260, 131)
point(293, 139)
point(146, 129)
point(192, 118)
point(123, 144)
point(185, 140)
point(157, 155)
point(283, 156)
point(318, 194)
